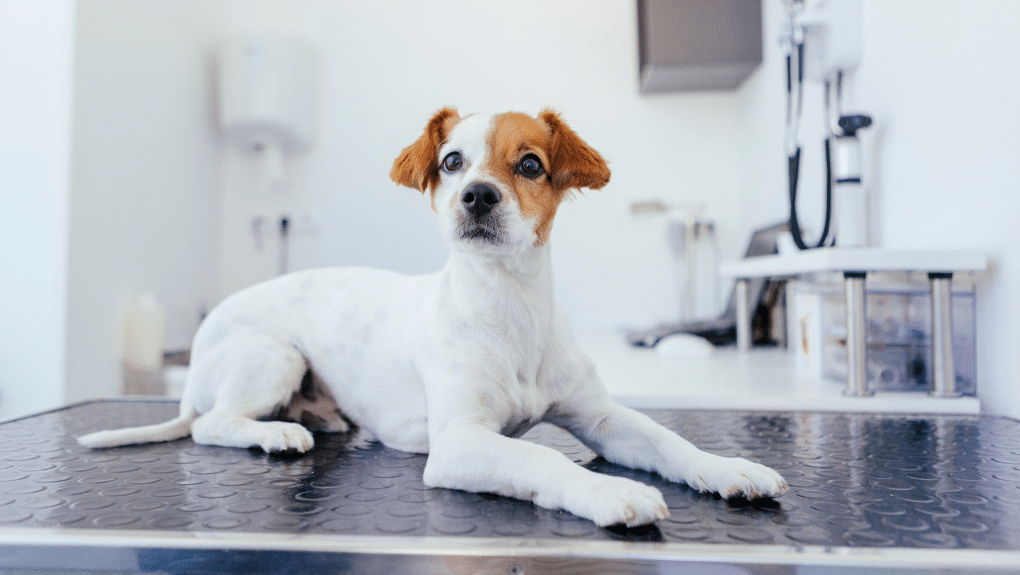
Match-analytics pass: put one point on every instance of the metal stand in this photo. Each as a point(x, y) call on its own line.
point(743, 317)
point(854, 263)
point(856, 336)
point(944, 376)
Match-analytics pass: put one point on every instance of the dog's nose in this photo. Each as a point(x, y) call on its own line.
point(479, 198)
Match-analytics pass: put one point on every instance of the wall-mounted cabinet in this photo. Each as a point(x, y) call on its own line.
point(688, 45)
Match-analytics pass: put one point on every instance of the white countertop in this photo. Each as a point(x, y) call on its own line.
point(761, 379)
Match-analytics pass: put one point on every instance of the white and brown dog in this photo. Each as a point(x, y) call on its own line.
point(454, 364)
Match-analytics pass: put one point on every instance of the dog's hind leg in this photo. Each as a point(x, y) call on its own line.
point(257, 381)
point(232, 428)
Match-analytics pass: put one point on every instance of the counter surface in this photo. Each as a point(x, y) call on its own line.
point(865, 489)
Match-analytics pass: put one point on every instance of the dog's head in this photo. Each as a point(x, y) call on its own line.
point(496, 181)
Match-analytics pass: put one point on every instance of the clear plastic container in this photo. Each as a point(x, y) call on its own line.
point(899, 339)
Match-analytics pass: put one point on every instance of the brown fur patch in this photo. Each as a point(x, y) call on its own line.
point(314, 407)
point(574, 163)
point(417, 166)
point(308, 390)
point(568, 161)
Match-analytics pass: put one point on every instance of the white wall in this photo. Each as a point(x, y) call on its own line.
point(389, 65)
point(36, 40)
point(145, 194)
point(940, 80)
point(155, 204)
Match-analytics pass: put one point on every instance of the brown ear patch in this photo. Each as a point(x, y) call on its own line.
point(417, 166)
point(569, 162)
point(573, 164)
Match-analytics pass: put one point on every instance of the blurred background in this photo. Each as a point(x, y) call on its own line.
point(116, 179)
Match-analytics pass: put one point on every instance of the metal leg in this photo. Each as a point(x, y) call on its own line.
point(856, 336)
point(743, 317)
point(944, 376)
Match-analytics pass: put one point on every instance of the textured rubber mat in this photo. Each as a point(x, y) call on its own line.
point(855, 481)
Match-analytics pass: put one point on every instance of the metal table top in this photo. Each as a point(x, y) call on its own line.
point(865, 490)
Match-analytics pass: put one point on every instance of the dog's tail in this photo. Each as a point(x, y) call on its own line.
point(167, 431)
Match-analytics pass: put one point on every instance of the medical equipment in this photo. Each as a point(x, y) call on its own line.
point(822, 42)
point(758, 294)
point(695, 249)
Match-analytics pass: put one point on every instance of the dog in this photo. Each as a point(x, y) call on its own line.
point(456, 364)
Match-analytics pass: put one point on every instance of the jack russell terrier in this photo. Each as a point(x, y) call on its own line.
point(455, 364)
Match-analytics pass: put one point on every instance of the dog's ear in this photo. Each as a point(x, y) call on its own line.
point(574, 163)
point(418, 165)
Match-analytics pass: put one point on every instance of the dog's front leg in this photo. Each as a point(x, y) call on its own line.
point(476, 458)
point(628, 437)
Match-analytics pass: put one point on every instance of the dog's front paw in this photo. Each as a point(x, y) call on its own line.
point(616, 500)
point(282, 436)
point(736, 477)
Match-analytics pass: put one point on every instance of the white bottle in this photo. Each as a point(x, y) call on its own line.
point(142, 325)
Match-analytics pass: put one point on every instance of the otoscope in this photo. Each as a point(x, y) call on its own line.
point(846, 209)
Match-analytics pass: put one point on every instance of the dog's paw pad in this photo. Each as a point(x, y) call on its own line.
point(623, 501)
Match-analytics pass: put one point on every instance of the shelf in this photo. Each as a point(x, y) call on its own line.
point(856, 259)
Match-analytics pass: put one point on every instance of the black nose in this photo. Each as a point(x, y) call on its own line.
point(479, 198)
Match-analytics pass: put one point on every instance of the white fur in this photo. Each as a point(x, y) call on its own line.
point(445, 364)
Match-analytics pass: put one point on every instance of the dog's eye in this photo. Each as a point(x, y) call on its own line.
point(530, 167)
point(452, 162)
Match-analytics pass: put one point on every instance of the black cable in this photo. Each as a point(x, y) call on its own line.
point(828, 196)
point(789, 85)
point(794, 172)
point(800, 78)
point(793, 162)
point(800, 62)
point(793, 166)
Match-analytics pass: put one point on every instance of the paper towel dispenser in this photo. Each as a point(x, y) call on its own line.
point(267, 96)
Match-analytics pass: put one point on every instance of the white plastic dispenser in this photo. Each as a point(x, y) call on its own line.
point(267, 98)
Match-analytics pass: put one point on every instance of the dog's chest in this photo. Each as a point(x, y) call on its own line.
point(526, 401)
